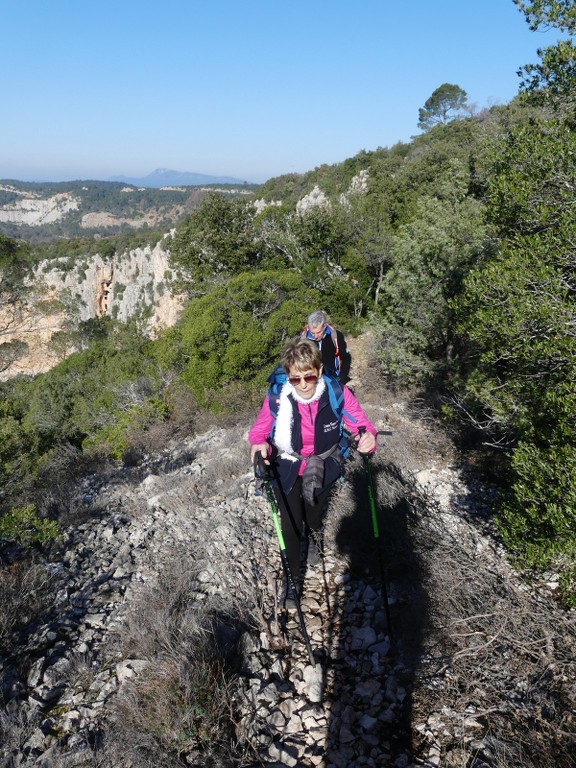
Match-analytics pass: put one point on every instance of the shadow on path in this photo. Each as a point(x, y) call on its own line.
point(371, 694)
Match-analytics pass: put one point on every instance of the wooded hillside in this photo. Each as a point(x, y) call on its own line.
point(41, 212)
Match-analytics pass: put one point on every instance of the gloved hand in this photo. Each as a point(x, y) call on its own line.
point(312, 478)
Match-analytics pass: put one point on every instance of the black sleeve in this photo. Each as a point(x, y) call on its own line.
point(345, 358)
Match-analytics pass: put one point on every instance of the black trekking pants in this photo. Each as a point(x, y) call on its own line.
point(294, 515)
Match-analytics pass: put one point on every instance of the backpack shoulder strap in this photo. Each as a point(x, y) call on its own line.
point(276, 381)
point(334, 336)
point(336, 396)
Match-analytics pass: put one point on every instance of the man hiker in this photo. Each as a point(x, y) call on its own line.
point(332, 345)
point(299, 435)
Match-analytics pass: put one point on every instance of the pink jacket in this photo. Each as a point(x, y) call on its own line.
point(260, 431)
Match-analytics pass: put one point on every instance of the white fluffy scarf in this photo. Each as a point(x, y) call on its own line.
point(285, 418)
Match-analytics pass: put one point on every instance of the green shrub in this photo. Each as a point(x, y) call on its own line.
point(235, 332)
point(116, 435)
point(538, 519)
point(23, 527)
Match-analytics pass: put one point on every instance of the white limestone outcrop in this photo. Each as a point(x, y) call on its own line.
point(30, 208)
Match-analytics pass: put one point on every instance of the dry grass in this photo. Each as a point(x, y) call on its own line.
point(493, 660)
point(179, 709)
point(16, 728)
point(25, 590)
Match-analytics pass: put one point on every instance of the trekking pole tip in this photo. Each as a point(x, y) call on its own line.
point(314, 680)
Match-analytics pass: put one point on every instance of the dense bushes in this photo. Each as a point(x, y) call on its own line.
point(90, 399)
point(430, 257)
point(235, 332)
point(519, 310)
point(225, 238)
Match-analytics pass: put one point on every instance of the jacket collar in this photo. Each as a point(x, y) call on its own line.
point(285, 417)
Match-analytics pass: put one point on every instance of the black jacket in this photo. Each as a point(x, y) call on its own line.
point(334, 366)
point(326, 436)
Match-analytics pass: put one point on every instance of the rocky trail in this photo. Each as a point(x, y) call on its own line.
point(477, 672)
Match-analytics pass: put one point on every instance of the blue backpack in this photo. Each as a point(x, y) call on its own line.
point(278, 378)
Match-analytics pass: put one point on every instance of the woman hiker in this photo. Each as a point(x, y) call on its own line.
point(303, 446)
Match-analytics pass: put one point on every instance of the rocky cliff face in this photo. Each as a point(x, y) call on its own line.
point(122, 286)
point(134, 283)
point(34, 210)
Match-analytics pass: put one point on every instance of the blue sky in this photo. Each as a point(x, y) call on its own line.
point(243, 88)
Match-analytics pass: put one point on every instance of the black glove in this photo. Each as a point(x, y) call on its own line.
point(312, 479)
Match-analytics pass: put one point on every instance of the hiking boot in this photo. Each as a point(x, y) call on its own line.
point(288, 598)
point(313, 552)
point(314, 547)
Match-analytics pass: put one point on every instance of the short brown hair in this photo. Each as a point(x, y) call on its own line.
point(301, 354)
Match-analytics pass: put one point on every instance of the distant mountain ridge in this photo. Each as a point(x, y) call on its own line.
point(44, 211)
point(164, 177)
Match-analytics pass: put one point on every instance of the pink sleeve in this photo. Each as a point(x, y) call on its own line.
point(354, 416)
point(260, 431)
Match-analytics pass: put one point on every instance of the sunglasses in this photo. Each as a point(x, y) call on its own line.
point(310, 379)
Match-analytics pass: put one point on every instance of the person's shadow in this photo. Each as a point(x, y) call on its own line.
point(374, 649)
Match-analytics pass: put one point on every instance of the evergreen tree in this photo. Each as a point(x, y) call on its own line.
point(447, 103)
point(555, 74)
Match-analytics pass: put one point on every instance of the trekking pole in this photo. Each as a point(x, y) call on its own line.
point(376, 531)
point(261, 472)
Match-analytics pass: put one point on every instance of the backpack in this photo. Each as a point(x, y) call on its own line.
point(276, 381)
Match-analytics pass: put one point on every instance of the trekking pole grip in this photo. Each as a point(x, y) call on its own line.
point(259, 466)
